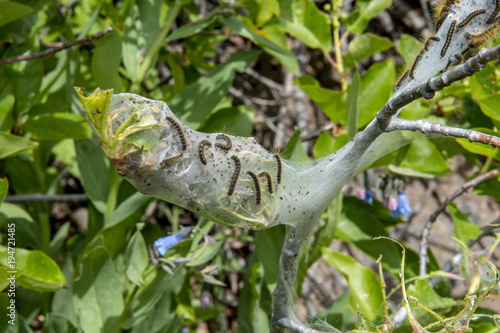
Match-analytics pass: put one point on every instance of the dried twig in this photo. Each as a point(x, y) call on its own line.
point(424, 238)
point(49, 52)
point(38, 197)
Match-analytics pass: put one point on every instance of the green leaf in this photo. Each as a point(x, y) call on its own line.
point(326, 144)
point(194, 28)
point(239, 27)
point(106, 61)
point(235, 120)
point(4, 188)
point(363, 283)
point(151, 299)
point(339, 315)
point(353, 105)
point(142, 27)
point(408, 46)
point(294, 149)
point(37, 270)
point(423, 291)
point(195, 102)
point(275, 33)
point(462, 228)
point(367, 10)
point(491, 106)
point(376, 88)
point(127, 208)
point(481, 148)
point(205, 254)
point(11, 145)
point(333, 103)
point(363, 46)
point(11, 11)
point(423, 156)
point(95, 170)
point(27, 231)
point(6, 105)
point(268, 245)
point(26, 79)
point(58, 240)
point(489, 187)
point(137, 258)
point(98, 297)
point(58, 126)
point(260, 319)
point(484, 83)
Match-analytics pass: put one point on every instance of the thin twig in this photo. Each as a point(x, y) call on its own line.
point(49, 52)
point(398, 124)
point(38, 197)
point(424, 238)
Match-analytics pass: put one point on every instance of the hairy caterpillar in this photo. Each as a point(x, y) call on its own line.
point(414, 66)
point(266, 175)
point(470, 17)
point(236, 174)
point(201, 153)
point(178, 129)
point(476, 39)
point(256, 186)
point(449, 36)
point(493, 16)
point(428, 41)
point(227, 146)
point(278, 168)
point(171, 160)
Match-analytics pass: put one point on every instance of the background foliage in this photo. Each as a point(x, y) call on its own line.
point(224, 66)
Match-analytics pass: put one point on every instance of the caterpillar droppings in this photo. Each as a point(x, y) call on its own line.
point(448, 38)
point(178, 129)
point(201, 153)
point(228, 144)
point(256, 185)
point(236, 174)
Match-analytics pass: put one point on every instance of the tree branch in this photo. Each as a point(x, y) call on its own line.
point(398, 124)
point(49, 52)
point(424, 238)
point(38, 197)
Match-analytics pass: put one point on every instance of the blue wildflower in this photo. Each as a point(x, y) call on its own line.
point(164, 243)
point(404, 207)
point(369, 196)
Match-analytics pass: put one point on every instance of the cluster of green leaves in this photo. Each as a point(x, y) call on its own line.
point(109, 283)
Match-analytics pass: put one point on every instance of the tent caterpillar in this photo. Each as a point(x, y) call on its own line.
point(170, 160)
point(428, 41)
point(278, 168)
point(400, 81)
point(470, 17)
point(201, 153)
point(256, 185)
point(236, 174)
point(269, 180)
point(448, 38)
point(482, 36)
point(493, 16)
point(178, 129)
point(414, 66)
point(227, 146)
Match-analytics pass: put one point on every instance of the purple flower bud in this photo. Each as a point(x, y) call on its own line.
point(361, 193)
point(164, 243)
point(204, 299)
point(369, 196)
point(392, 204)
